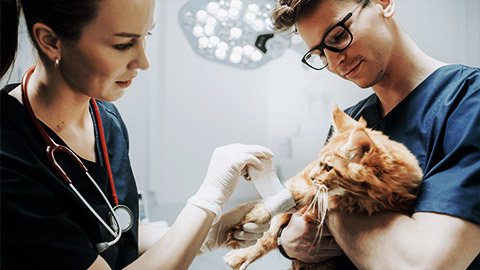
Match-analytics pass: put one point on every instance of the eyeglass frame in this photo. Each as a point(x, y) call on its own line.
point(322, 44)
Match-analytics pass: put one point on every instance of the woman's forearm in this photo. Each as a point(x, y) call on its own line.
point(148, 235)
point(177, 248)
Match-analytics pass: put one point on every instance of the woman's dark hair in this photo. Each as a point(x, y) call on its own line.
point(8, 34)
point(66, 18)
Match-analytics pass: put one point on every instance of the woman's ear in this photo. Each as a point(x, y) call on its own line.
point(47, 41)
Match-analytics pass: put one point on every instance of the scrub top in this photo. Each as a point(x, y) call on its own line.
point(439, 121)
point(44, 225)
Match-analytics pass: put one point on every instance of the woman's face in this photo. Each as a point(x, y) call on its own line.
point(111, 49)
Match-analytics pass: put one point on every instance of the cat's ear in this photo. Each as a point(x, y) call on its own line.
point(341, 121)
point(361, 122)
point(358, 144)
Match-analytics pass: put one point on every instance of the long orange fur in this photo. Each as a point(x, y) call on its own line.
point(372, 172)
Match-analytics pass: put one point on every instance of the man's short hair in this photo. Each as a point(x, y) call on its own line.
point(288, 12)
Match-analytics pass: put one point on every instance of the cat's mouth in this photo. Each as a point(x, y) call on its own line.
point(319, 204)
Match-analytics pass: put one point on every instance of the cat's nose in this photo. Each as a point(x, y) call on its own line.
point(314, 172)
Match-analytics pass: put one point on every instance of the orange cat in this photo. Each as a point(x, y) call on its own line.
point(358, 170)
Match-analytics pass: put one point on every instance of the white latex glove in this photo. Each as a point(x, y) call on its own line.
point(248, 236)
point(225, 169)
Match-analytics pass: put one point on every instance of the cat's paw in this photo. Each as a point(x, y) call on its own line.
point(240, 259)
point(258, 214)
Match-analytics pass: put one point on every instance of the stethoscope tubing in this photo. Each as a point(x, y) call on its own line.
point(52, 146)
point(95, 212)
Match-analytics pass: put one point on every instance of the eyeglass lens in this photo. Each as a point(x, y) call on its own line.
point(337, 39)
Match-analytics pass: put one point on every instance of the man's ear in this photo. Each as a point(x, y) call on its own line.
point(388, 7)
point(47, 41)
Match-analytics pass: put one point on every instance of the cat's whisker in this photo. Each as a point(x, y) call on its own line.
point(320, 202)
point(309, 206)
point(318, 236)
point(313, 202)
point(358, 170)
point(323, 202)
point(321, 198)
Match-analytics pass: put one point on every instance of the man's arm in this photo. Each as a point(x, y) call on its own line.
point(395, 241)
point(300, 240)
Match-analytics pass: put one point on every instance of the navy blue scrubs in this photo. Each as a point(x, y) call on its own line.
point(43, 223)
point(440, 123)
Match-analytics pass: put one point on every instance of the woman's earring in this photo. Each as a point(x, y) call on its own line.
point(57, 63)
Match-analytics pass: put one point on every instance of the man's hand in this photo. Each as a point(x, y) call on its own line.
point(302, 241)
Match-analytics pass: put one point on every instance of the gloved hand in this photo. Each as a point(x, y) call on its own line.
point(225, 169)
point(248, 236)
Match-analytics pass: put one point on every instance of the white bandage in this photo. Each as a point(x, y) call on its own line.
point(277, 199)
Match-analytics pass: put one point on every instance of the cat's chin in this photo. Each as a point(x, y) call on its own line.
point(336, 192)
point(311, 218)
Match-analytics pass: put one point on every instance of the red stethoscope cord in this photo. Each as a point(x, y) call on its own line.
point(52, 145)
point(104, 150)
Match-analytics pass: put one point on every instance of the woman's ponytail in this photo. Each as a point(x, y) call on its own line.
point(9, 33)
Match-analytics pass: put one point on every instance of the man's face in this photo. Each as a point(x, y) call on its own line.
point(366, 60)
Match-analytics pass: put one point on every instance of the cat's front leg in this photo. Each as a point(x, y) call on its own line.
point(242, 258)
point(258, 214)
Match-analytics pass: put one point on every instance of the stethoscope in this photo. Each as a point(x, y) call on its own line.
point(119, 212)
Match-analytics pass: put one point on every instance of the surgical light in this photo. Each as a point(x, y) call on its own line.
point(233, 32)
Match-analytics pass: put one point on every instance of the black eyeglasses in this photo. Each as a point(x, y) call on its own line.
point(337, 39)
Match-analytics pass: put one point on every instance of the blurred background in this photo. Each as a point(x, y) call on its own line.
point(185, 105)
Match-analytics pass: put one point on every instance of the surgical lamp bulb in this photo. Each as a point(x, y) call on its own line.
point(258, 25)
point(202, 16)
point(249, 16)
point(236, 4)
point(247, 50)
point(222, 14)
point(256, 56)
point(203, 42)
point(220, 54)
point(233, 13)
point(237, 50)
point(253, 8)
point(214, 40)
point(235, 58)
point(211, 20)
point(223, 46)
point(235, 32)
point(213, 7)
point(198, 31)
point(209, 29)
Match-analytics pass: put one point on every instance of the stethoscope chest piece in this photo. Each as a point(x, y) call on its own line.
point(124, 217)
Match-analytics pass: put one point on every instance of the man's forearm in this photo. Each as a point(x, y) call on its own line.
point(363, 238)
point(395, 241)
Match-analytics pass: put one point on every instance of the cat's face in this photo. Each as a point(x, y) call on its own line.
point(363, 170)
